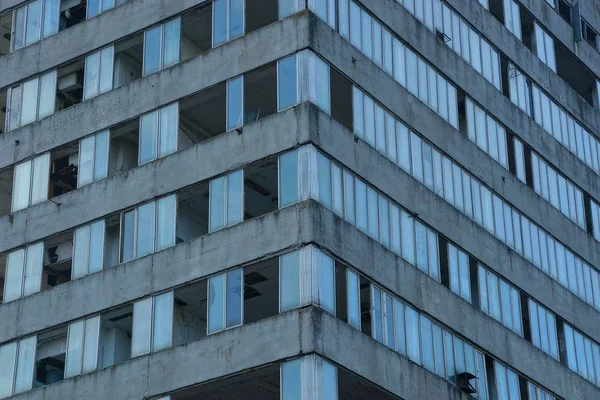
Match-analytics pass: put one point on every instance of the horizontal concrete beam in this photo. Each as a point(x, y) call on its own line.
point(207, 69)
point(507, 43)
point(87, 36)
point(226, 152)
point(376, 82)
point(260, 238)
point(471, 82)
point(437, 213)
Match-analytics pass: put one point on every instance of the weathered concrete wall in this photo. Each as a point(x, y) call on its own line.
point(418, 116)
point(208, 159)
point(507, 43)
point(217, 65)
point(87, 36)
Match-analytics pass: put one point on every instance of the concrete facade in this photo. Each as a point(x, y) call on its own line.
point(267, 232)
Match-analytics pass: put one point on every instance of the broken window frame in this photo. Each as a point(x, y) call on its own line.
point(162, 49)
point(163, 137)
point(45, 90)
point(83, 340)
point(47, 27)
point(230, 34)
point(91, 237)
point(148, 319)
point(156, 227)
point(27, 270)
point(95, 69)
point(36, 184)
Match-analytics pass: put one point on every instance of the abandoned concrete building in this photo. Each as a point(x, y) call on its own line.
point(299, 199)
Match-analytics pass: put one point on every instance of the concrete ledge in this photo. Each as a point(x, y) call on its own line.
point(376, 82)
point(449, 222)
point(406, 281)
point(507, 43)
point(260, 238)
point(217, 65)
point(87, 36)
point(226, 152)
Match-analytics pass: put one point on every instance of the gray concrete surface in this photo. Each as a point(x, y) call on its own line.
point(217, 65)
point(87, 36)
point(226, 152)
point(375, 81)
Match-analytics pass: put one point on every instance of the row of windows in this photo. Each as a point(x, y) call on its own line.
point(458, 35)
point(500, 300)
point(497, 298)
point(405, 66)
point(552, 186)
point(487, 133)
point(558, 191)
point(457, 187)
point(160, 46)
point(583, 354)
point(153, 319)
point(553, 119)
point(544, 47)
point(42, 18)
point(412, 334)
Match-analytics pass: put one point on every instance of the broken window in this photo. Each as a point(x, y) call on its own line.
point(152, 324)
point(128, 60)
point(162, 46)
point(50, 357)
point(192, 212)
point(30, 101)
point(145, 230)
point(63, 170)
point(82, 347)
point(58, 255)
point(98, 77)
point(16, 366)
point(93, 158)
point(23, 272)
point(115, 337)
point(228, 20)
point(123, 149)
point(242, 295)
point(158, 133)
point(88, 252)
point(69, 85)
